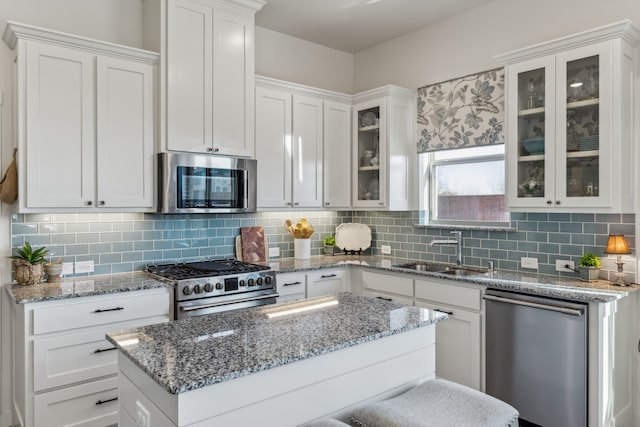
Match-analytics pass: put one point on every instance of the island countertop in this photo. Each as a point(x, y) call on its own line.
point(197, 352)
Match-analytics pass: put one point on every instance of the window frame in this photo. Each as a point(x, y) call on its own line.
point(428, 184)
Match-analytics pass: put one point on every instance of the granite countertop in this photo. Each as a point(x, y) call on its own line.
point(83, 287)
point(538, 284)
point(193, 353)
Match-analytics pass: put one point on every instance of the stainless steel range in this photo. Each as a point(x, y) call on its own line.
point(218, 285)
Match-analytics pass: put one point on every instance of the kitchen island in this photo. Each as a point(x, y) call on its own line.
point(285, 364)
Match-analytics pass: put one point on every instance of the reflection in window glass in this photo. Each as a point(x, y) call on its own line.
point(465, 185)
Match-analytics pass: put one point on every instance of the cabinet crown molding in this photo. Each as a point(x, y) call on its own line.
point(388, 90)
point(15, 31)
point(624, 30)
point(327, 95)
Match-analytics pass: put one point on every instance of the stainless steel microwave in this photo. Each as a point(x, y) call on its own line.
point(203, 183)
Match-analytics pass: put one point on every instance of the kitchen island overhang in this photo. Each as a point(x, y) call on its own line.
point(286, 364)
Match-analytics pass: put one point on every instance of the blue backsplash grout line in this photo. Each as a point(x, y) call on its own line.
point(120, 242)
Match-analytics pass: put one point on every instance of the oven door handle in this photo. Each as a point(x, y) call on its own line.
point(220, 304)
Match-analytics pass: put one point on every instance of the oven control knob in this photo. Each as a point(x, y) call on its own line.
point(252, 282)
point(208, 287)
point(259, 281)
point(242, 283)
point(267, 280)
point(197, 289)
point(218, 285)
point(187, 290)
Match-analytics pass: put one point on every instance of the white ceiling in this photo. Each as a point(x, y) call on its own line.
point(354, 25)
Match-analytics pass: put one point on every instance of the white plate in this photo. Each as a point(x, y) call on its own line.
point(353, 236)
point(368, 119)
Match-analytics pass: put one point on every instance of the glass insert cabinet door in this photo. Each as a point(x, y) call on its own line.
point(369, 149)
point(558, 157)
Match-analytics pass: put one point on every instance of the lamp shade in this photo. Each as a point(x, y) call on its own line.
point(617, 245)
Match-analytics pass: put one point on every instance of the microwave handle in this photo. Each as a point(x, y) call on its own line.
point(245, 193)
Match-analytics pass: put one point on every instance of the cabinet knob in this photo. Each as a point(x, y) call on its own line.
point(288, 203)
point(381, 204)
point(326, 203)
point(101, 202)
point(216, 149)
point(296, 204)
point(549, 202)
point(88, 203)
point(557, 202)
point(210, 149)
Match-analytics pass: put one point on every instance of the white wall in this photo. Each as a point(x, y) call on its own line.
point(288, 58)
point(466, 43)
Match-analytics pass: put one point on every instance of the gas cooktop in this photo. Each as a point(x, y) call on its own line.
point(200, 269)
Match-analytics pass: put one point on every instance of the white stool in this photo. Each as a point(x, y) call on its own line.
point(438, 403)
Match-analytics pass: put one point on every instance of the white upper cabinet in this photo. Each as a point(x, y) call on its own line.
point(569, 122)
point(384, 151)
point(85, 122)
point(302, 135)
point(207, 78)
point(337, 155)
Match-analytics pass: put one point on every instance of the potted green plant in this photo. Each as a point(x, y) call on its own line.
point(589, 267)
point(28, 264)
point(329, 245)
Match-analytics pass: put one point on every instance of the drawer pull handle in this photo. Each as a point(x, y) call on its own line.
point(102, 402)
point(386, 299)
point(102, 350)
point(450, 313)
point(327, 276)
point(292, 284)
point(100, 310)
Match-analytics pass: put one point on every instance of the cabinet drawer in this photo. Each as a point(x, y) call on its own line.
point(326, 282)
point(387, 283)
point(394, 298)
point(446, 293)
point(99, 311)
point(291, 283)
point(91, 404)
point(67, 359)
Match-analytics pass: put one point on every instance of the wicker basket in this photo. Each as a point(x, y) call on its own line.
point(27, 274)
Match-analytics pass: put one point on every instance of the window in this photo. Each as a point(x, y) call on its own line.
point(464, 186)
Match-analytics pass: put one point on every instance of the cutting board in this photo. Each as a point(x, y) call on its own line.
point(251, 245)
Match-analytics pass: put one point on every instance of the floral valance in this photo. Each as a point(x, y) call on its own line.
point(462, 112)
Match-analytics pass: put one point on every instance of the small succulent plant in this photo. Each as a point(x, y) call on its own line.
point(589, 260)
point(28, 255)
point(329, 241)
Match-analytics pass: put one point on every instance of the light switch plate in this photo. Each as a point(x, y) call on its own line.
point(274, 252)
point(385, 249)
point(526, 262)
point(67, 268)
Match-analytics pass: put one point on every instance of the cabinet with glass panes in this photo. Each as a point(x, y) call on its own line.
point(569, 123)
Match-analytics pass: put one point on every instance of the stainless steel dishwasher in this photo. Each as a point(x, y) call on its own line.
point(536, 357)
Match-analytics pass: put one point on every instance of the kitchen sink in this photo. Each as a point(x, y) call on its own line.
point(461, 272)
point(422, 266)
point(440, 268)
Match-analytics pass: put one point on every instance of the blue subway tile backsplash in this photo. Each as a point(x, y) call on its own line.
point(121, 242)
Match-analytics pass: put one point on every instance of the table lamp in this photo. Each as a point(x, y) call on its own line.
point(617, 245)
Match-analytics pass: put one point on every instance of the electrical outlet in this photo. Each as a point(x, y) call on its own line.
point(84, 267)
point(526, 262)
point(67, 268)
point(562, 263)
point(274, 252)
point(143, 418)
point(385, 249)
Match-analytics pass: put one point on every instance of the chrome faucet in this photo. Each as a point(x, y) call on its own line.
point(457, 242)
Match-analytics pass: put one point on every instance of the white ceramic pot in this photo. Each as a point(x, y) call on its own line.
point(302, 248)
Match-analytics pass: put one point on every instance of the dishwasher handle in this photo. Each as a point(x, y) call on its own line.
point(565, 310)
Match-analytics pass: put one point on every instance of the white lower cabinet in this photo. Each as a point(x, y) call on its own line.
point(388, 287)
point(459, 355)
point(291, 286)
point(325, 282)
point(64, 368)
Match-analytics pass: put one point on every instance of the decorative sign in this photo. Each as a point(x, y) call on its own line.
point(463, 112)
